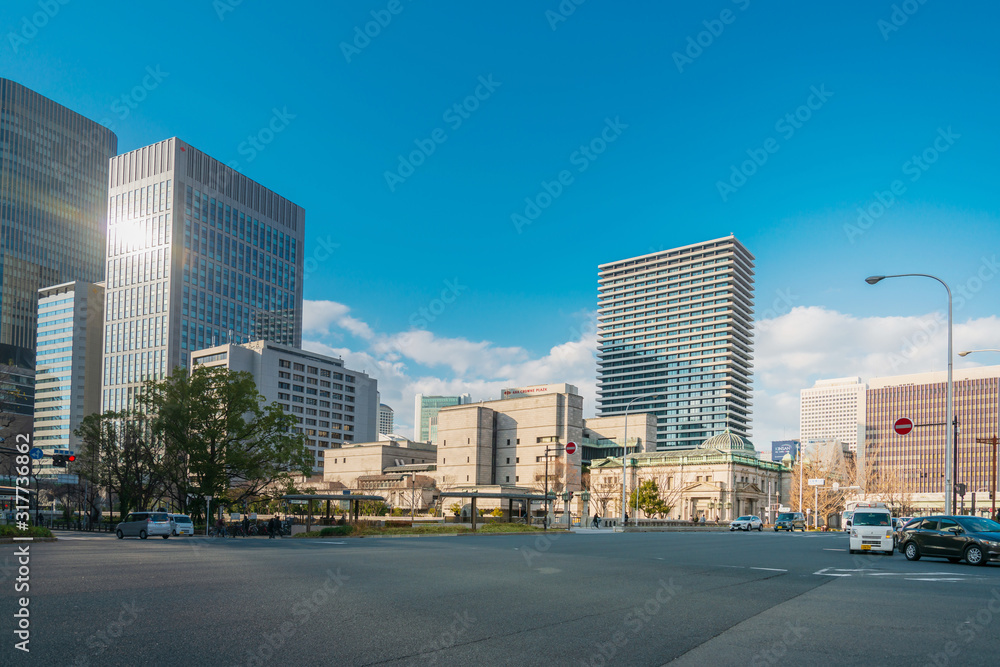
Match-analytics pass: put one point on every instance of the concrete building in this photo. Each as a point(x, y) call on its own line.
point(333, 405)
point(911, 466)
point(782, 448)
point(504, 442)
point(53, 221)
point(678, 325)
point(197, 255)
point(17, 394)
point(68, 371)
point(425, 411)
point(720, 480)
point(385, 415)
point(359, 459)
point(833, 410)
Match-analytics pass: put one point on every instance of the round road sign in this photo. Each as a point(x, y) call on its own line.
point(36, 453)
point(903, 426)
point(571, 448)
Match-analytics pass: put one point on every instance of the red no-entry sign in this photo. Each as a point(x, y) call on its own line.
point(571, 448)
point(903, 426)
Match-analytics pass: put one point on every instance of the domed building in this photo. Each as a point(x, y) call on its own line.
point(720, 479)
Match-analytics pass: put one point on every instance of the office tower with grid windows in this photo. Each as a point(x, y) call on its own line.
point(53, 199)
point(197, 255)
point(675, 337)
point(425, 414)
point(385, 418)
point(833, 410)
point(68, 368)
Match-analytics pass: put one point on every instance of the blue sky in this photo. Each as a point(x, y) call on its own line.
point(522, 295)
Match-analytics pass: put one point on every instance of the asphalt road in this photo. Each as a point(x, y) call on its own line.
point(571, 599)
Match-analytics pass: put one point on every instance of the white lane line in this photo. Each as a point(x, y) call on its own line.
point(737, 567)
point(834, 549)
point(769, 569)
point(932, 579)
point(319, 542)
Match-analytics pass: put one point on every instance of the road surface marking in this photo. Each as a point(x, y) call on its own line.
point(834, 549)
point(331, 542)
point(769, 569)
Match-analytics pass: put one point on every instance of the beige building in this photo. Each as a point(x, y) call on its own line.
point(506, 442)
point(721, 479)
point(350, 462)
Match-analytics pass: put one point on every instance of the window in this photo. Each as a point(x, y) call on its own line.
point(284, 363)
point(313, 370)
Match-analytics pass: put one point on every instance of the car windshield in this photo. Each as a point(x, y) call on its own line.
point(975, 524)
point(871, 519)
point(160, 517)
point(785, 517)
point(182, 519)
point(744, 518)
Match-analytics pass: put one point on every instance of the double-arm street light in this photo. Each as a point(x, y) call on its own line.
point(625, 451)
point(990, 441)
point(949, 454)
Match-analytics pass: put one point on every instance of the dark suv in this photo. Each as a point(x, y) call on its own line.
point(790, 521)
point(971, 538)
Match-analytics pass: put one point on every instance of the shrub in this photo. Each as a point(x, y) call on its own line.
point(336, 531)
point(33, 531)
point(496, 512)
point(455, 509)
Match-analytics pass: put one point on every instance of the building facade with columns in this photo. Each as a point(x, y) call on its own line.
point(721, 479)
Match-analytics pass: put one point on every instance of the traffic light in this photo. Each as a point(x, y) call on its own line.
point(60, 460)
point(960, 488)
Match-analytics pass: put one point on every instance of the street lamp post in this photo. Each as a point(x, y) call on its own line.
point(625, 452)
point(993, 467)
point(951, 441)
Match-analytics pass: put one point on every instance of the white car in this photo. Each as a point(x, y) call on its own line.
point(749, 522)
point(180, 524)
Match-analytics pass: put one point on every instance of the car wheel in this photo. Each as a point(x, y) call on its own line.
point(120, 534)
point(852, 551)
point(760, 528)
point(911, 551)
point(173, 533)
point(891, 551)
point(166, 537)
point(974, 555)
point(142, 534)
point(954, 559)
point(775, 529)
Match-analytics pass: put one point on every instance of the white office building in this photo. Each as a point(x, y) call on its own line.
point(385, 419)
point(833, 410)
point(677, 326)
point(332, 404)
point(68, 368)
point(197, 255)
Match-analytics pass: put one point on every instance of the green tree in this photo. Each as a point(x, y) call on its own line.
point(119, 453)
point(650, 501)
point(221, 438)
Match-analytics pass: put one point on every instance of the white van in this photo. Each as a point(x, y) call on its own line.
point(871, 530)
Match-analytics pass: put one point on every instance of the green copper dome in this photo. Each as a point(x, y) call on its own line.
point(728, 442)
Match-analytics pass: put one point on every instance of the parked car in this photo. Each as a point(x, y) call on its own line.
point(972, 538)
point(848, 517)
point(790, 521)
point(749, 522)
point(181, 524)
point(871, 530)
point(144, 524)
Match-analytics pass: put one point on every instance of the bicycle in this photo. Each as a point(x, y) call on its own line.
point(216, 532)
point(236, 530)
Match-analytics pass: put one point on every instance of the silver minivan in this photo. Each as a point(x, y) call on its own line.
point(144, 524)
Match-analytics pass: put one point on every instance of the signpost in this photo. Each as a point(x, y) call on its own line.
point(571, 448)
point(902, 426)
point(816, 483)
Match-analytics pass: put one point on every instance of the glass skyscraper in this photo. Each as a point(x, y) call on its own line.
point(426, 410)
point(677, 326)
point(68, 379)
point(198, 255)
point(53, 198)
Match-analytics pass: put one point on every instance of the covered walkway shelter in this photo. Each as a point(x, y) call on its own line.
point(510, 497)
point(355, 500)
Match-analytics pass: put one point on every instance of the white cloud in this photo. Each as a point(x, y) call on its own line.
point(321, 317)
point(811, 343)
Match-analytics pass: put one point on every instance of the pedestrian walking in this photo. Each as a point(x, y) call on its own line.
point(270, 528)
point(597, 521)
